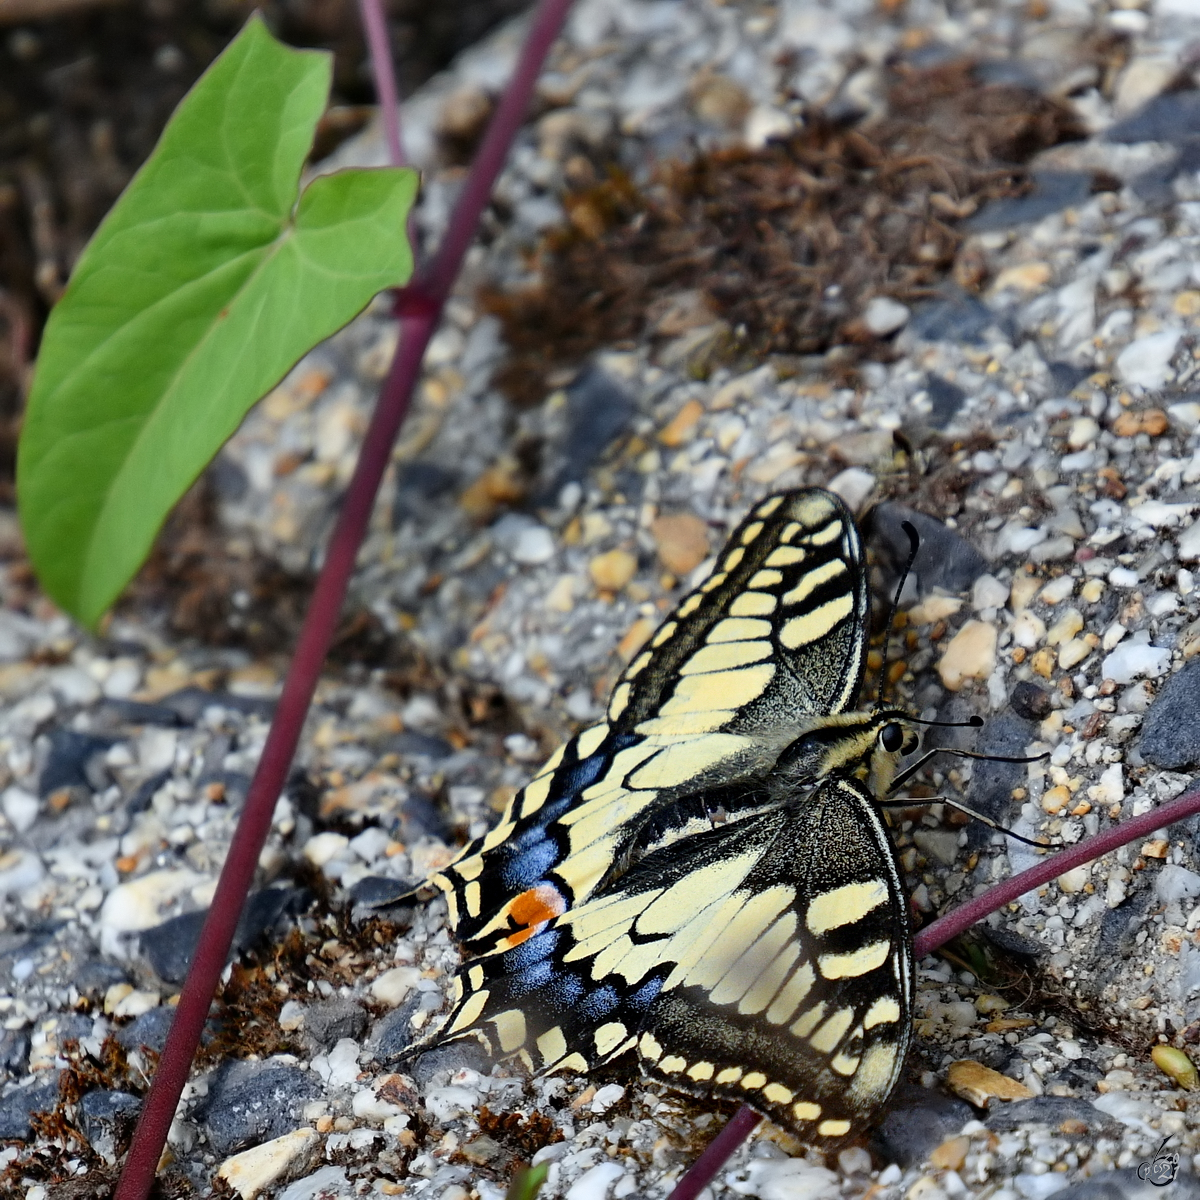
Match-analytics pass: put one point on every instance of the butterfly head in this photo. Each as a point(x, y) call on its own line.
point(867, 745)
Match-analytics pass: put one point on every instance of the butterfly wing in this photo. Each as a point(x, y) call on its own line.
point(777, 632)
point(767, 961)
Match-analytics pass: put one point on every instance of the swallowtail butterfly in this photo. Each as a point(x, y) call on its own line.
point(704, 879)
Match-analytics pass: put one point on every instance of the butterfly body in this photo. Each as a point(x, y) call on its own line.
point(704, 879)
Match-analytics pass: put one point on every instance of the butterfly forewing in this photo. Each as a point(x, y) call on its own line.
point(777, 633)
point(767, 961)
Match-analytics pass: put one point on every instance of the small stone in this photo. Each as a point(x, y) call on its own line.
point(920, 1120)
point(1146, 361)
point(392, 987)
point(1171, 731)
point(720, 100)
point(854, 485)
point(322, 848)
point(978, 1084)
point(951, 1154)
point(255, 1102)
point(1028, 630)
point(1142, 80)
point(1024, 588)
point(1186, 414)
point(883, 315)
point(1175, 1064)
point(934, 609)
point(1030, 701)
point(1189, 543)
point(481, 1150)
point(1027, 277)
point(253, 1170)
point(534, 545)
point(1072, 653)
point(1135, 660)
point(1042, 663)
point(1055, 799)
point(945, 559)
point(1083, 432)
point(1092, 591)
point(681, 540)
point(594, 1184)
point(971, 654)
point(1075, 880)
point(464, 113)
point(683, 424)
point(134, 1003)
point(107, 1119)
point(612, 571)
point(20, 807)
point(18, 1107)
point(1065, 628)
point(988, 592)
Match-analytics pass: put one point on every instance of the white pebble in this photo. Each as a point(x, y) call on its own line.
point(594, 1184)
point(1176, 883)
point(448, 1103)
point(607, 1096)
point(1146, 361)
point(534, 545)
point(19, 871)
point(989, 592)
point(323, 848)
point(20, 807)
point(1135, 660)
point(392, 987)
point(884, 315)
point(1123, 577)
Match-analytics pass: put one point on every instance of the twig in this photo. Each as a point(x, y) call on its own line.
point(425, 300)
point(375, 27)
point(742, 1124)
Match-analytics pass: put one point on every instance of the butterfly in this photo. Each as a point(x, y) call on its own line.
point(704, 878)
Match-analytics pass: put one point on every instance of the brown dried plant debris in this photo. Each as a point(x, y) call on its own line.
point(784, 245)
point(523, 1134)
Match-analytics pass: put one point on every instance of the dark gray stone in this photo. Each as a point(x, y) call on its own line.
point(149, 1030)
point(1030, 701)
point(1053, 1110)
point(418, 486)
point(466, 1052)
point(1125, 1185)
point(945, 399)
point(327, 1022)
point(1169, 117)
point(190, 702)
point(412, 744)
point(1012, 942)
point(94, 977)
point(140, 800)
point(169, 947)
point(74, 761)
point(992, 782)
point(917, 1121)
point(107, 1120)
point(598, 409)
point(1155, 185)
point(393, 1035)
point(944, 559)
point(18, 1108)
point(1171, 731)
point(1052, 192)
point(14, 1051)
point(1065, 377)
point(250, 1103)
point(136, 712)
point(955, 318)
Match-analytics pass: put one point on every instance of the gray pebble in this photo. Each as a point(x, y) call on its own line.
point(1171, 732)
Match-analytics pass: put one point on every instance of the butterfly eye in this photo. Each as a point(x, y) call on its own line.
point(891, 738)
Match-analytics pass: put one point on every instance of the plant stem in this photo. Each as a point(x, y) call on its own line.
point(424, 301)
point(742, 1124)
point(375, 27)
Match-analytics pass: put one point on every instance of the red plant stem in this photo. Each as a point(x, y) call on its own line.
point(704, 1170)
point(742, 1124)
point(375, 27)
point(425, 299)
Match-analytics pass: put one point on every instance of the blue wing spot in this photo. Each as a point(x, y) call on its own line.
point(530, 866)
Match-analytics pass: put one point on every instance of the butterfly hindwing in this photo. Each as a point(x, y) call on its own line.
point(777, 631)
point(767, 960)
point(775, 634)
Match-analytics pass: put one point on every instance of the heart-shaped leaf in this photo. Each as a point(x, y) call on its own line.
point(208, 280)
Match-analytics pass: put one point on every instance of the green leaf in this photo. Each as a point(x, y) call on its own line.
point(202, 287)
point(527, 1182)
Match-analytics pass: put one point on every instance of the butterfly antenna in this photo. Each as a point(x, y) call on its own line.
point(914, 544)
point(975, 722)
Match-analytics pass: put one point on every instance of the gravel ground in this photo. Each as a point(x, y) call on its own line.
point(1034, 399)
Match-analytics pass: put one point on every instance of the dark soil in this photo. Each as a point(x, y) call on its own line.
point(779, 250)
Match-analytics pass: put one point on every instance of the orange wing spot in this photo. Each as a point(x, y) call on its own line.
point(539, 904)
